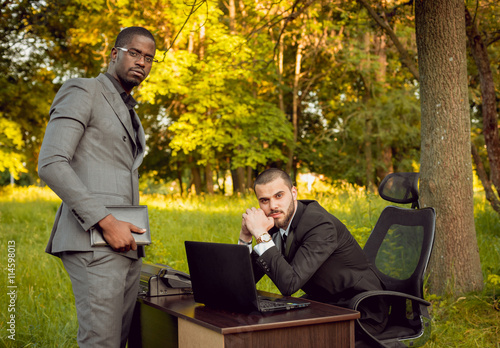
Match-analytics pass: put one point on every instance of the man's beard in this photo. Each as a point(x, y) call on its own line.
point(283, 223)
point(128, 83)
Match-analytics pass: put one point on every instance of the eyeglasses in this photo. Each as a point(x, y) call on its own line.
point(134, 54)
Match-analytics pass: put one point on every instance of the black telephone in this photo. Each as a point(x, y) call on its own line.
point(163, 280)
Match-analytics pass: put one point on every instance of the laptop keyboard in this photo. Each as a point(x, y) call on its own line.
point(269, 304)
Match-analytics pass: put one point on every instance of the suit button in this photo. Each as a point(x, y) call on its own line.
point(124, 138)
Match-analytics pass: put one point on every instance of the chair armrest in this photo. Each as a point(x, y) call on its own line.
point(374, 293)
point(393, 297)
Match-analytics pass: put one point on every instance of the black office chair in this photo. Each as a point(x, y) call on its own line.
point(399, 248)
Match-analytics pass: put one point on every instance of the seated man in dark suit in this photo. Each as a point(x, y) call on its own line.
point(302, 246)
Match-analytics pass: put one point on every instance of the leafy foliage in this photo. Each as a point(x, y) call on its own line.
point(222, 96)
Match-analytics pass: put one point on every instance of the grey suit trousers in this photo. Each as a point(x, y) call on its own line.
point(105, 286)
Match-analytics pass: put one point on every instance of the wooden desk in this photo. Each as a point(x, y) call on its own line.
point(178, 321)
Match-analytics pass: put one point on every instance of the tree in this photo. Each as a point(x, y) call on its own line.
point(483, 97)
point(446, 168)
point(215, 87)
point(361, 117)
point(229, 92)
point(37, 52)
point(489, 113)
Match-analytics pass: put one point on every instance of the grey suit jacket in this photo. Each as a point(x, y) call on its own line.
point(323, 258)
point(87, 159)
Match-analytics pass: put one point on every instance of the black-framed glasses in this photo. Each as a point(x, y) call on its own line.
point(137, 55)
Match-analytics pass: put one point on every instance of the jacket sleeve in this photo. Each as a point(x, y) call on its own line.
point(69, 117)
point(315, 239)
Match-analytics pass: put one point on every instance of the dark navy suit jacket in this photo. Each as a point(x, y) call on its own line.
point(324, 259)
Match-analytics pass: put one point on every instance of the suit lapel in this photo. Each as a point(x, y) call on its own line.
point(290, 245)
point(116, 102)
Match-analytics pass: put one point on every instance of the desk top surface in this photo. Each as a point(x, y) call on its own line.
point(225, 322)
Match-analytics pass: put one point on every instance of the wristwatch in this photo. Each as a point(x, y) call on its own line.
point(264, 238)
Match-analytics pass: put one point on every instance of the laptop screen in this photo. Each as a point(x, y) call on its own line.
point(222, 275)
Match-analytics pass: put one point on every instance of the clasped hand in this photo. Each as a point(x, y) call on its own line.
point(255, 223)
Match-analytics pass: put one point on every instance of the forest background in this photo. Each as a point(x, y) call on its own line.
point(331, 88)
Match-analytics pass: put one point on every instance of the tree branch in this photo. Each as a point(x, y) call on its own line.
point(483, 177)
point(492, 40)
point(404, 55)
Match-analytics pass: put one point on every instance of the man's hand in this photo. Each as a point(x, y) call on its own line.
point(245, 235)
point(118, 233)
point(256, 222)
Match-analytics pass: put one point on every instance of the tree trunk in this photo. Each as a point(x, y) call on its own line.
point(209, 179)
point(238, 176)
point(367, 95)
point(234, 179)
point(386, 159)
point(296, 97)
point(195, 172)
point(231, 7)
point(201, 35)
point(384, 150)
point(281, 48)
point(446, 168)
point(488, 95)
point(249, 178)
point(179, 177)
point(370, 185)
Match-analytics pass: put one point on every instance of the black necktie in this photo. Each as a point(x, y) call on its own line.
point(130, 103)
point(135, 124)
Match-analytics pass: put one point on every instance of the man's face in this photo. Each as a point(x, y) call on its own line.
point(131, 71)
point(277, 200)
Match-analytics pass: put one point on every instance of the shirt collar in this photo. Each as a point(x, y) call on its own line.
point(127, 98)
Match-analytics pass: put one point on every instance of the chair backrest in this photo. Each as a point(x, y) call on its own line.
point(399, 247)
point(400, 188)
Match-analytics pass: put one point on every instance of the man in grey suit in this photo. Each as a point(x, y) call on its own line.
point(302, 246)
point(90, 155)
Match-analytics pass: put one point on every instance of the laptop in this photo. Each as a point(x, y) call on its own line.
point(222, 278)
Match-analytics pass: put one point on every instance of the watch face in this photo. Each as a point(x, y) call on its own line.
point(266, 237)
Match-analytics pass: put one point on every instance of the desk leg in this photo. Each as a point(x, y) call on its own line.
point(152, 328)
point(352, 334)
point(195, 336)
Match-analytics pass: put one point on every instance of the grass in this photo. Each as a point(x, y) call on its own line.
point(44, 308)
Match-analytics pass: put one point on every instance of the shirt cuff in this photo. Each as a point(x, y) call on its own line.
point(261, 248)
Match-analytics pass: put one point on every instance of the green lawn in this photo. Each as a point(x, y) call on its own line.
point(44, 309)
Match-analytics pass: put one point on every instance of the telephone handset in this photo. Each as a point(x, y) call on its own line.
point(174, 279)
point(163, 280)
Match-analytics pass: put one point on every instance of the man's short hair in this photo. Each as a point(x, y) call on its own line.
point(126, 35)
point(272, 174)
